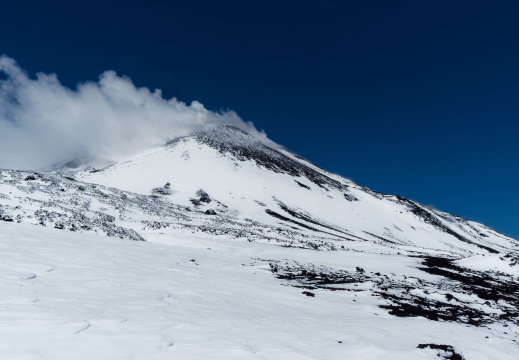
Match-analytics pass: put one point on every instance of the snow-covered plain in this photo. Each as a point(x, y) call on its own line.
point(219, 246)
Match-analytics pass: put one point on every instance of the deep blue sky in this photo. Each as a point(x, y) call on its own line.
point(415, 98)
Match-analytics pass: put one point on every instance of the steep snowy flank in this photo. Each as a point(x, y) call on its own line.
point(274, 187)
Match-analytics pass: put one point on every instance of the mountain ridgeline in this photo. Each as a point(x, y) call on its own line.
point(246, 179)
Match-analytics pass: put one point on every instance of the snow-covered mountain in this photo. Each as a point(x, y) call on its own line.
point(275, 187)
point(244, 250)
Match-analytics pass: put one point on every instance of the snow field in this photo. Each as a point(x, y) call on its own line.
point(82, 296)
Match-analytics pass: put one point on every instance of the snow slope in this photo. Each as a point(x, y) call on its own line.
point(222, 246)
point(273, 186)
point(77, 295)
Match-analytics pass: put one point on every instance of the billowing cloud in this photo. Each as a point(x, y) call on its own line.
point(43, 122)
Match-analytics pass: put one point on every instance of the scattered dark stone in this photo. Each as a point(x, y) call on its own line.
point(483, 284)
point(210, 212)
point(302, 217)
point(511, 258)
point(448, 351)
point(7, 218)
point(284, 218)
point(30, 178)
point(70, 178)
point(431, 219)
point(310, 277)
point(350, 197)
point(307, 218)
point(500, 291)
point(381, 238)
point(308, 293)
point(203, 196)
point(302, 185)
point(161, 191)
point(195, 202)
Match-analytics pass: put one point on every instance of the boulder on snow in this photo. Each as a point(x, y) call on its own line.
point(165, 190)
point(203, 196)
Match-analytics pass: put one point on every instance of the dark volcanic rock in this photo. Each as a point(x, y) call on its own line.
point(446, 351)
point(228, 139)
point(495, 290)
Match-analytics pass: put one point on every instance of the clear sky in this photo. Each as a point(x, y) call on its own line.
point(415, 98)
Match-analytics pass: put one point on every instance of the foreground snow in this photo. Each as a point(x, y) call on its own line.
point(67, 295)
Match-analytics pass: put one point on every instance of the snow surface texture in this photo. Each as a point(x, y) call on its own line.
point(221, 246)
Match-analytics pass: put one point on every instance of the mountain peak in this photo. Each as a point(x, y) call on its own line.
point(229, 137)
point(231, 141)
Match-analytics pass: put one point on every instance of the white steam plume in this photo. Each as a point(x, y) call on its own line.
point(44, 123)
